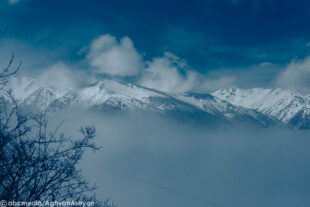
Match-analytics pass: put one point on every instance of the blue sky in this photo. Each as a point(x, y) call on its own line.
point(232, 36)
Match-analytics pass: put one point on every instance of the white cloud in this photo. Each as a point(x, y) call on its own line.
point(266, 64)
point(168, 73)
point(163, 74)
point(64, 76)
point(209, 85)
point(109, 56)
point(296, 76)
point(171, 74)
point(58, 75)
point(14, 1)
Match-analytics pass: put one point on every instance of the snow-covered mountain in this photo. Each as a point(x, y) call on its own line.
point(291, 108)
point(261, 106)
point(109, 95)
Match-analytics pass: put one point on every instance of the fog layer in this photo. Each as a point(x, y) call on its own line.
point(152, 161)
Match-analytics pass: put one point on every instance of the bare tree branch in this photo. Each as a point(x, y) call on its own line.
point(36, 164)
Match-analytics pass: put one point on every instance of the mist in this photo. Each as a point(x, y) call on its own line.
point(147, 160)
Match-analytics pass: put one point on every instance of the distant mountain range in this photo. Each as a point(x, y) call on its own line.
point(265, 107)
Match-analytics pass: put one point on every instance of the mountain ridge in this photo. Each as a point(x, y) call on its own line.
point(233, 105)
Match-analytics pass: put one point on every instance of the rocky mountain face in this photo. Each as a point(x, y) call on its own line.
point(265, 107)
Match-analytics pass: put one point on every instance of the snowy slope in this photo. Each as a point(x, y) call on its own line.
point(217, 106)
point(287, 106)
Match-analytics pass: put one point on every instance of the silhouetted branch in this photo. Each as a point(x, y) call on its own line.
point(8, 71)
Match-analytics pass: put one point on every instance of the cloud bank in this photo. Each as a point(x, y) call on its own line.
point(238, 166)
